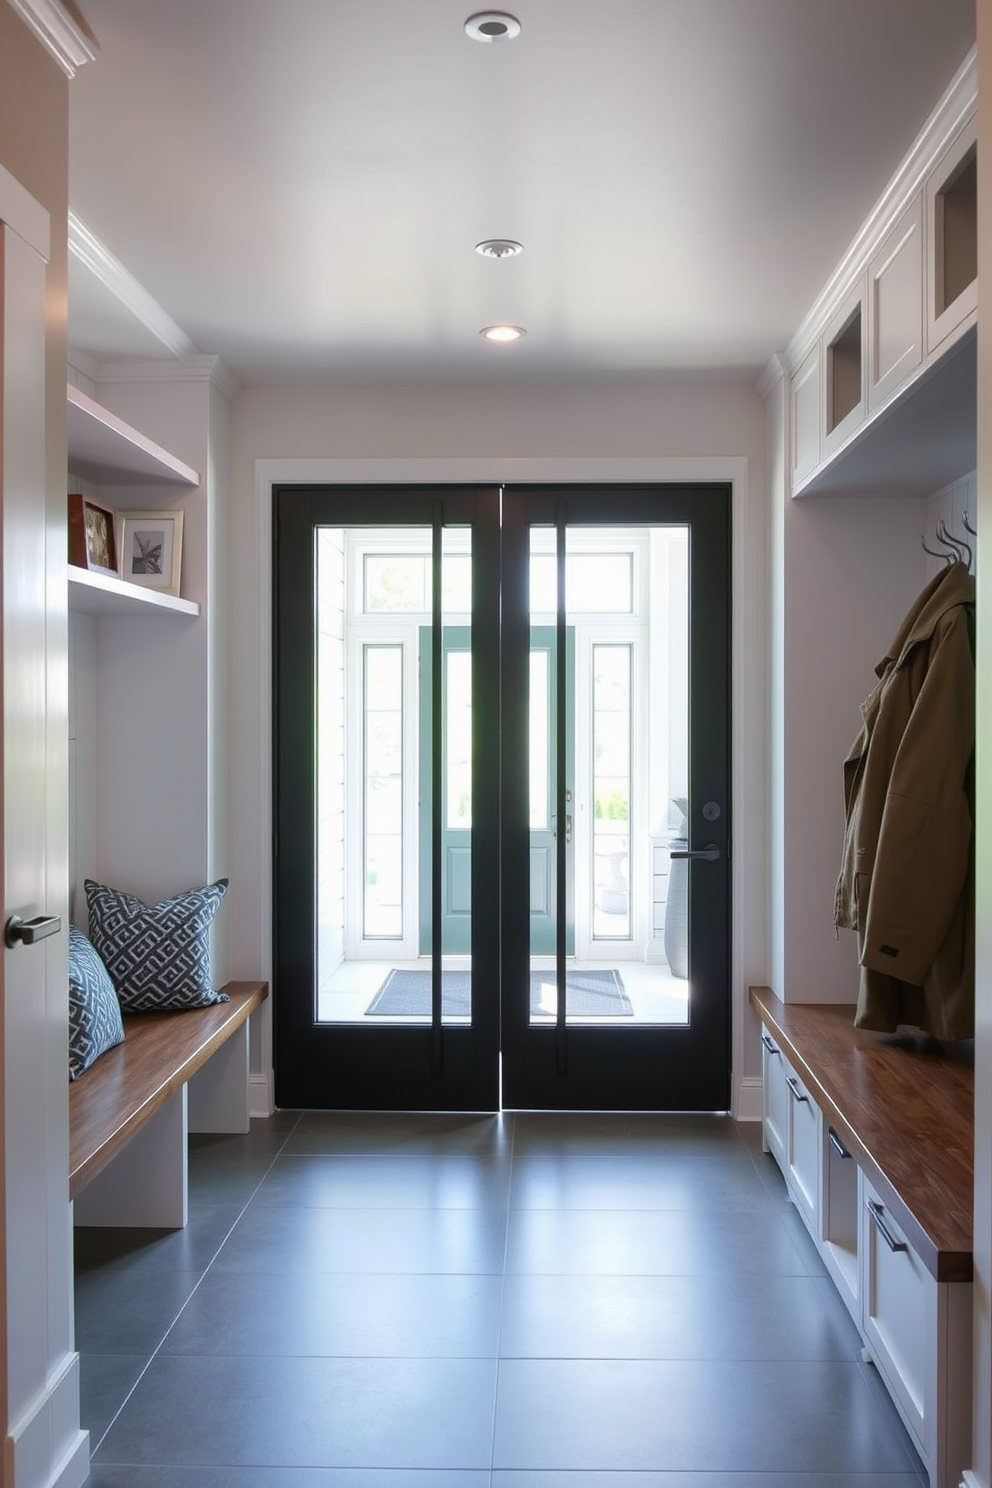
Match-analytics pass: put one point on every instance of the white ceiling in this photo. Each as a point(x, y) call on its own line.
point(300, 185)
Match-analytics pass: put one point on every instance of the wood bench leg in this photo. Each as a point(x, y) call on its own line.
point(145, 1185)
point(219, 1092)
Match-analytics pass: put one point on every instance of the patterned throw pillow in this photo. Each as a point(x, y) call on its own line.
point(158, 955)
point(94, 1012)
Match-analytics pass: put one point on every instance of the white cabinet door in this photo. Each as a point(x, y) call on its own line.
point(895, 306)
point(803, 1150)
point(806, 419)
point(774, 1098)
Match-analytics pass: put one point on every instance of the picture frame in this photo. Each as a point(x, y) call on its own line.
point(150, 544)
point(92, 535)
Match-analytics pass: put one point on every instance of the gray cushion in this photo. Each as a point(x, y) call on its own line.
point(94, 1013)
point(158, 955)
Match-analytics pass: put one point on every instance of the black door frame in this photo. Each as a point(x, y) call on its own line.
point(457, 1067)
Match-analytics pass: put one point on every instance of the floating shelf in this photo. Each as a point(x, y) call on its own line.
point(107, 451)
point(102, 594)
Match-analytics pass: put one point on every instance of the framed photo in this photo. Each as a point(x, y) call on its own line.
point(151, 548)
point(91, 535)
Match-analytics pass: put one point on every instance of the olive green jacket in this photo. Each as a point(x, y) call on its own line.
point(906, 882)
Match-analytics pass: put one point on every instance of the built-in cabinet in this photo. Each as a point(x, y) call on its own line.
point(915, 1329)
point(880, 338)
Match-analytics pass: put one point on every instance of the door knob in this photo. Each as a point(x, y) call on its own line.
point(27, 932)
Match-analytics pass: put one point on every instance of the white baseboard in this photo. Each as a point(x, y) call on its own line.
point(747, 1099)
point(261, 1094)
point(48, 1447)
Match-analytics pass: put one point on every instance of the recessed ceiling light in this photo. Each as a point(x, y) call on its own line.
point(499, 248)
point(492, 25)
point(502, 332)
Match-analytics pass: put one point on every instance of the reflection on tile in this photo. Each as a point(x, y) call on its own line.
point(715, 1417)
point(670, 1243)
point(674, 1317)
point(369, 1240)
point(412, 1181)
point(624, 1134)
point(104, 1476)
point(425, 1413)
point(537, 1479)
point(412, 1316)
point(389, 1132)
point(669, 1181)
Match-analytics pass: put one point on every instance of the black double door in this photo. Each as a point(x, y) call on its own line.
point(501, 797)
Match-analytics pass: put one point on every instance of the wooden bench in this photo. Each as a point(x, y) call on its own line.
point(893, 1227)
point(131, 1112)
point(906, 1110)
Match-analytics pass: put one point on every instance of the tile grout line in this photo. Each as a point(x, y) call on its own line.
point(94, 1448)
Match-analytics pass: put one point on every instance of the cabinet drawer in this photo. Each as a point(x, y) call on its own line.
point(896, 1295)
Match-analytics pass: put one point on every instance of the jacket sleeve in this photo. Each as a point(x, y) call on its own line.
point(921, 862)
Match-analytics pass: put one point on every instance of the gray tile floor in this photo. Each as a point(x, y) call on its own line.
point(532, 1301)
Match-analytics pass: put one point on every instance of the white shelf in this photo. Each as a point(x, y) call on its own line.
point(102, 594)
point(107, 451)
point(924, 438)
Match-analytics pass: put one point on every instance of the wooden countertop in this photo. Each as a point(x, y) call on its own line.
point(904, 1106)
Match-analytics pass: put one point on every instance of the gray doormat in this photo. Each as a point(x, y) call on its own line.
point(596, 994)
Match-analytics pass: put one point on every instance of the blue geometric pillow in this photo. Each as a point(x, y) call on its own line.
point(158, 955)
point(94, 1012)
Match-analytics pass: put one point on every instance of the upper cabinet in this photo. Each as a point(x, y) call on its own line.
point(883, 369)
point(952, 221)
point(110, 455)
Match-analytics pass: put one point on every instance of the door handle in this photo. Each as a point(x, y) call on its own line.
point(709, 854)
point(27, 932)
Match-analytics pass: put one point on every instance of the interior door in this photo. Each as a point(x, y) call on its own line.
point(460, 673)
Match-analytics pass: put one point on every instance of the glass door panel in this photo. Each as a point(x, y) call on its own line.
point(621, 987)
point(393, 609)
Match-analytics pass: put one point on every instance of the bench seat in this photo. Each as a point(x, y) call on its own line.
point(904, 1106)
point(136, 1094)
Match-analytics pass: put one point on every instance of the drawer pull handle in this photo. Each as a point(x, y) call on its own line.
point(768, 1044)
point(837, 1144)
point(793, 1085)
point(876, 1211)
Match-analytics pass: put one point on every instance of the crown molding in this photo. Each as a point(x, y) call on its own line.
point(955, 107)
point(87, 248)
point(197, 368)
point(59, 32)
point(774, 372)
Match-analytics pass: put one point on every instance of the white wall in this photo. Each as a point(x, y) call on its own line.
point(662, 430)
